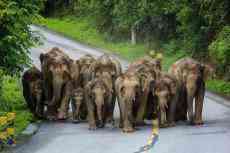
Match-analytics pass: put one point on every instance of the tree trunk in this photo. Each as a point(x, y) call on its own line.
point(133, 35)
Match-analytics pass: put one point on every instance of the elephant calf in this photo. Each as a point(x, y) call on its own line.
point(78, 104)
point(166, 91)
point(128, 87)
point(33, 92)
point(99, 105)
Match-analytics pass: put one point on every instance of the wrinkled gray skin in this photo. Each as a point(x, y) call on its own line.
point(127, 89)
point(98, 99)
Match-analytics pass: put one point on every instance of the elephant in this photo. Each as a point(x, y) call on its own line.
point(79, 109)
point(98, 100)
point(59, 72)
point(128, 88)
point(191, 76)
point(33, 91)
point(107, 66)
point(165, 92)
point(147, 74)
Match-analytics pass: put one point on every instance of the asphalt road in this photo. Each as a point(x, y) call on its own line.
point(212, 137)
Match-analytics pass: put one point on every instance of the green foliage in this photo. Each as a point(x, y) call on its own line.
point(23, 118)
point(219, 86)
point(11, 98)
point(15, 35)
point(220, 50)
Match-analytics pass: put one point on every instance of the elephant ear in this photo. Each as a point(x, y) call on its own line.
point(208, 71)
point(119, 85)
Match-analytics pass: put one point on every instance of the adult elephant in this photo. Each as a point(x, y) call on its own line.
point(59, 72)
point(147, 75)
point(33, 91)
point(128, 88)
point(191, 76)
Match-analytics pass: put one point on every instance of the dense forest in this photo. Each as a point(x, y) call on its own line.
point(201, 28)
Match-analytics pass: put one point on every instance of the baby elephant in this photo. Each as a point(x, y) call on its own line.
point(79, 109)
point(98, 99)
point(33, 91)
point(166, 92)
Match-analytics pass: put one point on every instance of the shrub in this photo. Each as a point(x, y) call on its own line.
point(11, 97)
point(220, 51)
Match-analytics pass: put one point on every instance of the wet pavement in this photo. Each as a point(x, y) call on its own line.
point(212, 137)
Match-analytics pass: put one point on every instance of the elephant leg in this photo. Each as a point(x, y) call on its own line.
point(190, 109)
point(172, 111)
point(73, 106)
point(121, 112)
point(40, 109)
point(199, 99)
point(141, 110)
point(112, 100)
point(64, 107)
point(127, 125)
point(91, 117)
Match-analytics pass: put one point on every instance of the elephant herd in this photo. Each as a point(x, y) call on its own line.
point(92, 87)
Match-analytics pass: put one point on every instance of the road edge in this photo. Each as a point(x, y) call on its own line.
point(217, 98)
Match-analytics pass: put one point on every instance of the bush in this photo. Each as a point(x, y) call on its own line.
point(11, 98)
point(15, 34)
point(220, 51)
point(219, 86)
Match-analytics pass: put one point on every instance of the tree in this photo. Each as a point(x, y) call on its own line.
point(15, 34)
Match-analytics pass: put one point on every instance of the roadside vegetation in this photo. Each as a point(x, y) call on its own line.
point(15, 40)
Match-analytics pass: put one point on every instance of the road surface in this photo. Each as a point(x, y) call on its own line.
point(212, 137)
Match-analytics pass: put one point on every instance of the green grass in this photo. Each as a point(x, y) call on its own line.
point(84, 30)
point(11, 100)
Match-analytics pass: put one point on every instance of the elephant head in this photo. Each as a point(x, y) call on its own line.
point(106, 64)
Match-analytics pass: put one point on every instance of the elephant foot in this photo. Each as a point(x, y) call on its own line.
point(171, 124)
point(165, 125)
point(51, 118)
point(61, 116)
point(128, 130)
point(198, 122)
point(140, 123)
point(76, 121)
point(92, 127)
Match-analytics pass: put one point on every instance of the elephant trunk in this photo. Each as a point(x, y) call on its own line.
point(100, 111)
point(57, 88)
